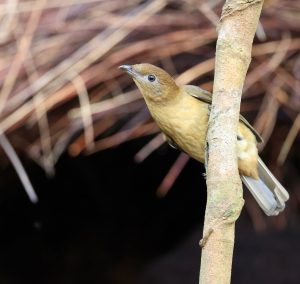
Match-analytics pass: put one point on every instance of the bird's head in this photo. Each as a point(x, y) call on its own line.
point(155, 84)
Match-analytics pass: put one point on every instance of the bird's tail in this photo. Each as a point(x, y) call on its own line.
point(267, 190)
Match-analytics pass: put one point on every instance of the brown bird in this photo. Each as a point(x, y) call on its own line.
point(182, 113)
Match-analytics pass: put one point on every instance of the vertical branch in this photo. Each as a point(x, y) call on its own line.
point(224, 190)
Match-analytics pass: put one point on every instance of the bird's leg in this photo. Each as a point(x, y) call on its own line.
point(206, 148)
point(206, 158)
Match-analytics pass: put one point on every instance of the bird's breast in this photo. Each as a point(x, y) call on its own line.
point(186, 123)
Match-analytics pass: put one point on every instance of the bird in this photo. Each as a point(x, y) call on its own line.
point(182, 113)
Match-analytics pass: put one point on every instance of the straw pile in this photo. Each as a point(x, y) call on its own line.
point(61, 89)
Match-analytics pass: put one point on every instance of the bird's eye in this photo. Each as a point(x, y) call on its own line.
point(151, 78)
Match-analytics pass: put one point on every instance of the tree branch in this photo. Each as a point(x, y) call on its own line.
point(224, 189)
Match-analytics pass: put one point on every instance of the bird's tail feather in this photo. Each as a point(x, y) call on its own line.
point(267, 190)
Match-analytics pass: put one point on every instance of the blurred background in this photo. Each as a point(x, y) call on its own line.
point(116, 204)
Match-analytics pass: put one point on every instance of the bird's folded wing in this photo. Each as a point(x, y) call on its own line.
point(206, 97)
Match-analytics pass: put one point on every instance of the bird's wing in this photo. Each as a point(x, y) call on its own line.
point(206, 97)
point(259, 139)
point(198, 93)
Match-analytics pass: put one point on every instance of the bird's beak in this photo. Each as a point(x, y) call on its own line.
point(129, 70)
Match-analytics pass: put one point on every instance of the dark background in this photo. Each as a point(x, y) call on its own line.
point(100, 221)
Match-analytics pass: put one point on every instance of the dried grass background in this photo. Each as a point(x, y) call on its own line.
point(61, 89)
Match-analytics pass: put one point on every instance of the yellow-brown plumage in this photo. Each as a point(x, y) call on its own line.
point(182, 113)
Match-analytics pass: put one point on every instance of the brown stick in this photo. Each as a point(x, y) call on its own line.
point(224, 190)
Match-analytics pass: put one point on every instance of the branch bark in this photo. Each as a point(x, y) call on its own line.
point(236, 31)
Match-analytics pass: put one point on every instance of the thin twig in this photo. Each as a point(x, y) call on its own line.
point(14, 159)
point(172, 175)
